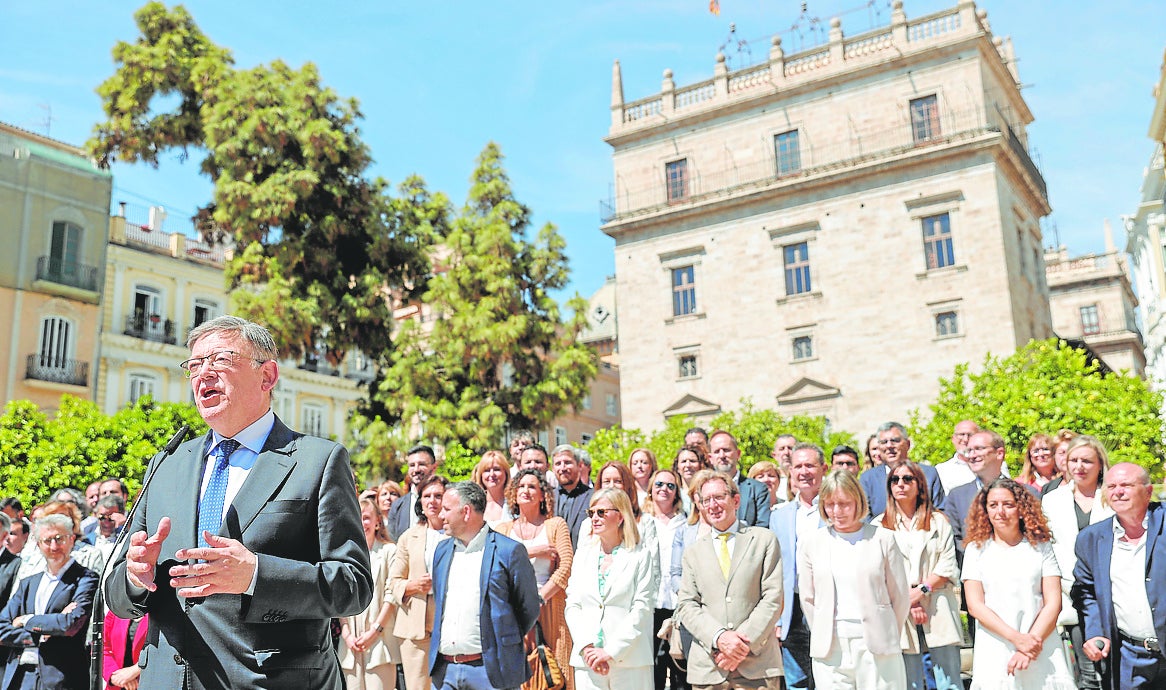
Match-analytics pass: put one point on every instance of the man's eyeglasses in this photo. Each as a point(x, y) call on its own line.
point(218, 361)
point(58, 539)
point(670, 485)
point(902, 479)
point(601, 513)
point(105, 518)
point(715, 498)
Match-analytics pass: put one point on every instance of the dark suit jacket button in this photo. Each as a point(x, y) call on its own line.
point(179, 660)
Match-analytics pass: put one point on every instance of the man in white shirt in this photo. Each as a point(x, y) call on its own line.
point(955, 472)
point(1118, 587)
point(485, 600)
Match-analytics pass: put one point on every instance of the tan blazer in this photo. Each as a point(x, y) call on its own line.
point(749, 602)
point(883, 590)
point(386, 648)
point(1060, 510)
point(415, 613)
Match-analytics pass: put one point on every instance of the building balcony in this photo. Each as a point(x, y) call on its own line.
point(316, 362)
point(46, 367)
point(151, 327)
point(69, 273)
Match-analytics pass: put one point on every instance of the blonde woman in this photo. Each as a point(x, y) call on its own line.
point(492, 473)
point(369, 652)
point(610, 598)
point(769, 474)
point(854, 593)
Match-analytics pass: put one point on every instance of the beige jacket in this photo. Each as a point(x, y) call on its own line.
point(923, 555)
point(415, 613)
point(749, 602)
point(883, 589)
point(386, 649)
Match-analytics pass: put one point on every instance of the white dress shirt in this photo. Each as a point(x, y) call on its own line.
point(461, 624)
point(1127, 574)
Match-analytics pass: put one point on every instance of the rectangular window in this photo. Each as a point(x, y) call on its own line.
point(65, 249)
point(313, 420)
point(204, 310)
point(584, 439)
point(56, 344)
point(924, 119)
point(560, 436)
point(683, 291)
point(139, 386)
point(676, 179)
point(1090, 320)
point(803, 347)
point(797, 269)
point(947, 323)
point(788, 153)
point(585, 403)
point(937, 245)
point(612, 406)
point(688, 367)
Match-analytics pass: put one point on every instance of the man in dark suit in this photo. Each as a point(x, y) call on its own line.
point(895, 445)
point(1119, 587)
point(421, 462)
point(573, 495)
point(486, 600)
point(248, 540)
point(9, 562)
point(44, 636)
point(725, 457)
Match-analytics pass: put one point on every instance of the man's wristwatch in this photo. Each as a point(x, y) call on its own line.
point(924, 588)
point(380, 628)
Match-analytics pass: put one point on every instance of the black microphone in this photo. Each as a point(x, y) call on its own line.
point(96, 649)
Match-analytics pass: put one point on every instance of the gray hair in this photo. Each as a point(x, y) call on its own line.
point(62, 522)
point(566, 448)
point(75, 497)
point(258, 336)
point(5, 523)
point(585, 459)
point(470, 494)
point(893, 426)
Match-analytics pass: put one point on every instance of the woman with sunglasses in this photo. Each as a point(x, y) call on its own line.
point(664, 507)
point(610, 598)
point(927, 544)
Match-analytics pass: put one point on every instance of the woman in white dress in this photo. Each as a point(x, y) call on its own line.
point(1070, 508)
point(1012, 584)
point(610, 598)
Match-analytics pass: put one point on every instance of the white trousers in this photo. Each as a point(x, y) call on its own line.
point(851, 666)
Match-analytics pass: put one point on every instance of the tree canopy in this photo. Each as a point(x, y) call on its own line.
point(1043, 387)
point(500, 352)
point(319, 242)
point(80, 444)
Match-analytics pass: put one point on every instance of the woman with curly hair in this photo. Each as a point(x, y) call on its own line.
point(1013, 587)
point(1039, 466)
point(548, 544)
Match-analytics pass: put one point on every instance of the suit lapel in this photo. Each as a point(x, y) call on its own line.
point(489, 553)
point(63, 592)
point(743, 546)
point(271, 468)
point(1153, 529)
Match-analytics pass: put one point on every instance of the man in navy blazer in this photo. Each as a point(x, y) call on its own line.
point(789, 521)
point(895, 444)
point(486, 599)
point(1119, 587)
point(724, 455)
point(248, 540)
point(47, 647)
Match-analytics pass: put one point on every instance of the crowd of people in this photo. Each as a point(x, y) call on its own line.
point(260, 563)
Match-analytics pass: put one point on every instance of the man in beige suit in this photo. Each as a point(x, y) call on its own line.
point(730, 597)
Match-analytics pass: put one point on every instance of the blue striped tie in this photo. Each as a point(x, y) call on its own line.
point(210, 508)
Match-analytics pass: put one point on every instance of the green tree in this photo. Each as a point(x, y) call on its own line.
point(1045, 386)
point(80, 444)
point(501, 353)
point(319, 243)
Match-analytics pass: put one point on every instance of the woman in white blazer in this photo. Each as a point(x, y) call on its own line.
point(1069, 508)
point(925, 538)
point(854, 594)
point(610, 599)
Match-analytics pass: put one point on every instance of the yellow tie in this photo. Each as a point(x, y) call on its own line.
point(723, 554)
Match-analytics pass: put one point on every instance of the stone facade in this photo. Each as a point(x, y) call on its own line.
point(160, 285)
point(1092, 299)
point(53, 204)
point(829, 232)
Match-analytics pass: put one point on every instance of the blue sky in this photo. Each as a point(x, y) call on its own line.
point(438, 80)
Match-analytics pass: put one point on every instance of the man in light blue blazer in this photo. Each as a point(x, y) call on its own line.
point(895, 444)
point(486, 600)
point(789, 521)
point(1118, 587)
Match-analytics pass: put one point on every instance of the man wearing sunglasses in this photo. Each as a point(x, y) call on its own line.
point(248, 540)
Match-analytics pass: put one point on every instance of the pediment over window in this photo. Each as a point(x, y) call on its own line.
point(807, 390)
point(691, 406)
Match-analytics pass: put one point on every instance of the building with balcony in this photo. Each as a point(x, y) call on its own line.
point(1092, 300)
point(1146, 241)
point(828, 232)
point(54, 201)
point(158, 286)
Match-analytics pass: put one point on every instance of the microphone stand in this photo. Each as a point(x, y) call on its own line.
point(96, 639)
